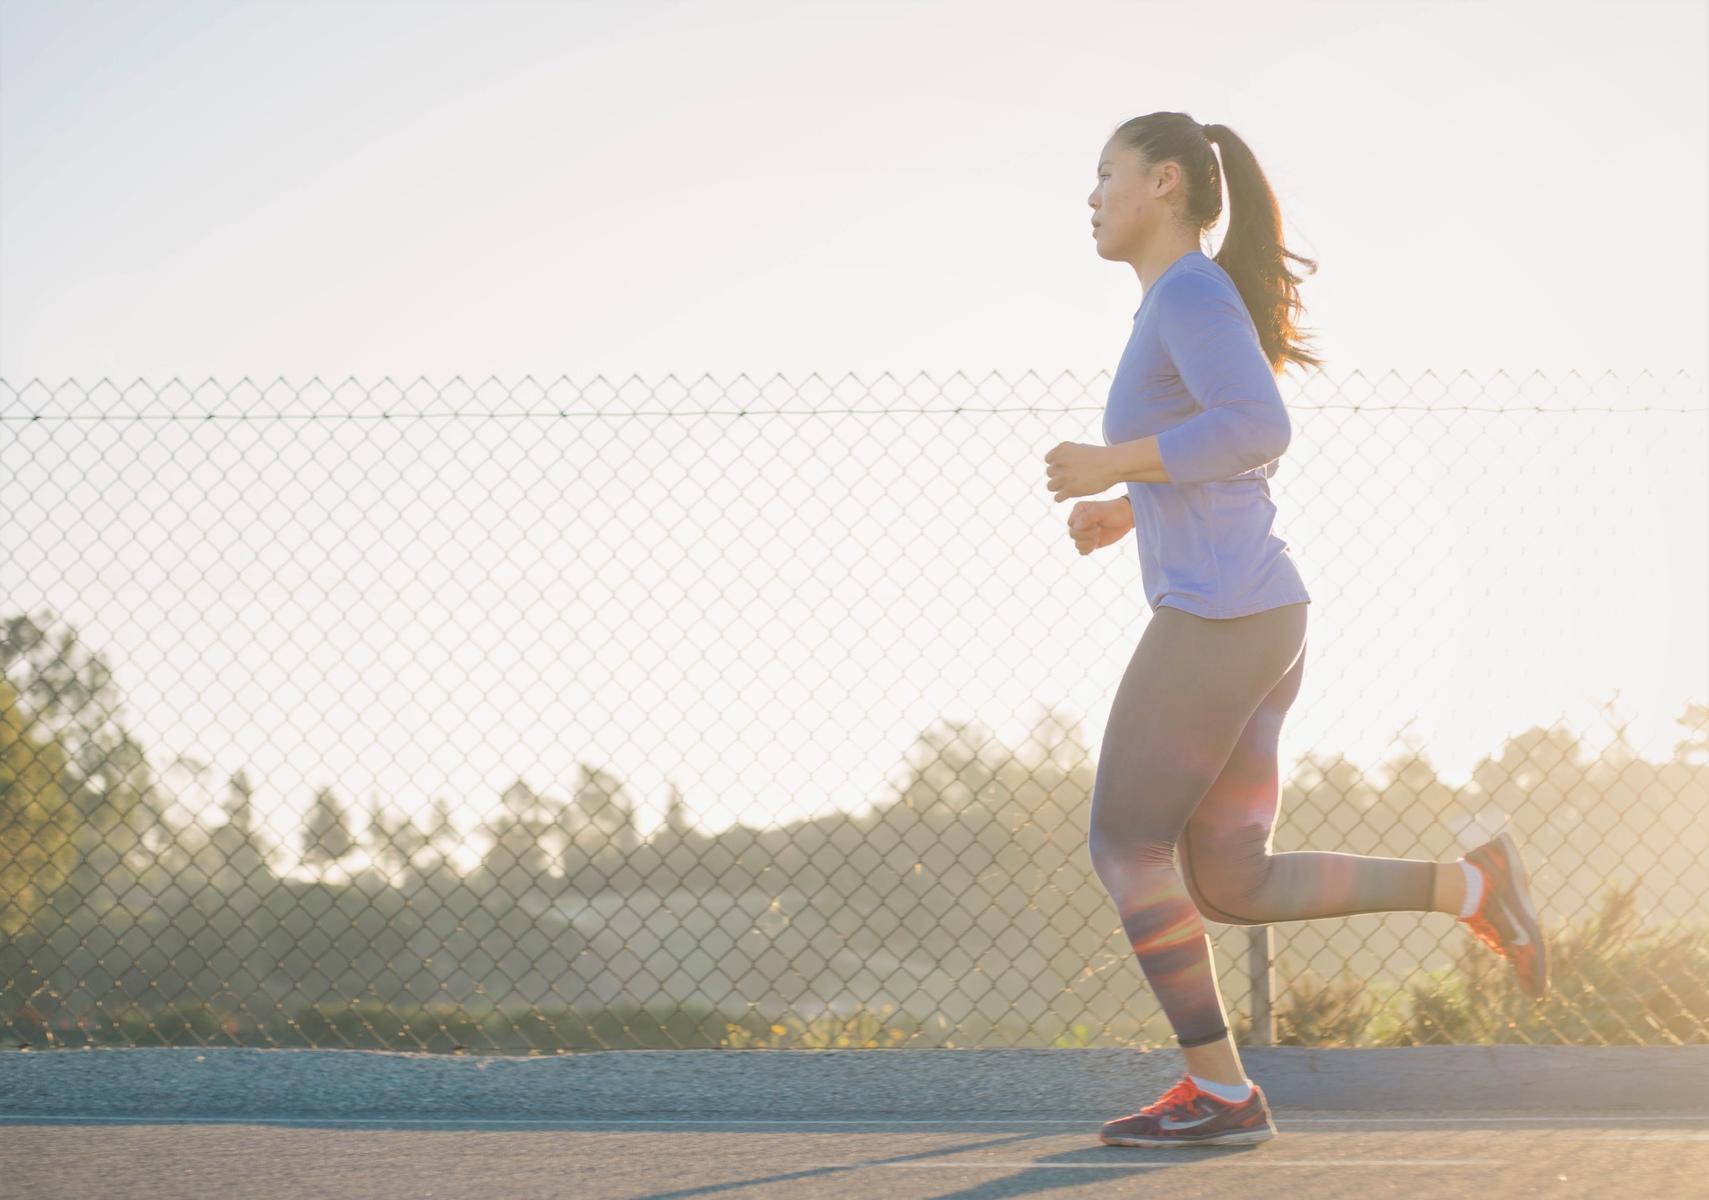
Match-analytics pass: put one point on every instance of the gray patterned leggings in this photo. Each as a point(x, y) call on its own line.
point(1190, 756)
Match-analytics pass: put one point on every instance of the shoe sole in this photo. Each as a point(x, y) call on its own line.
point(1515, 894)
point(1241, 1137)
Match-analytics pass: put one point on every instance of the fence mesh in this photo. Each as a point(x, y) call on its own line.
point(556, 716)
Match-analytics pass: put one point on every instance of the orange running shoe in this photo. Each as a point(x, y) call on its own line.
point(1506, 920)
point(1187, 1115)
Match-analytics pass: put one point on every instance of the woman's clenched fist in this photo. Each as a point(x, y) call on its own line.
point(1096, 523)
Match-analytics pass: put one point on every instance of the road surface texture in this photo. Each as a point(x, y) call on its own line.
point(1321, 1155)
point(1484, 1122)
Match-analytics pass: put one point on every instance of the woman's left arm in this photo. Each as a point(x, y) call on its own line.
point(1210, 340)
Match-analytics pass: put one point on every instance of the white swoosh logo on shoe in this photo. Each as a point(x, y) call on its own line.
point(1520, 937)
point(1172, 1123)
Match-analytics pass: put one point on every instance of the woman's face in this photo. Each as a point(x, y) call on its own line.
point(1128, 201)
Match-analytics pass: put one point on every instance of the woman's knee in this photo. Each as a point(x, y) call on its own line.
point(1216, 912)
point(1119, 856)
point(1221, 906)
point(1225, 876)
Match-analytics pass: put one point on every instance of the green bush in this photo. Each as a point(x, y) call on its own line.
point(1612, 983)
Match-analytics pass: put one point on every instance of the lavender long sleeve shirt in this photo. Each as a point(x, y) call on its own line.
point(1194, 374)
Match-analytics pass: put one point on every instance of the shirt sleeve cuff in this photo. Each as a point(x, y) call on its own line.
point(1177, 460)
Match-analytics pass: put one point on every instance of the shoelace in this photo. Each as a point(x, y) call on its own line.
point(1179, 1096)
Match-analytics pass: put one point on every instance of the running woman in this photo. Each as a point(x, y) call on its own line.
point(1192, 429)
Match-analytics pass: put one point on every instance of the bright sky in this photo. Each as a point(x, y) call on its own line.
point(440, 190)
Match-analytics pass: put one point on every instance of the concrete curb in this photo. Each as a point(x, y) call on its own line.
point(825, 1084)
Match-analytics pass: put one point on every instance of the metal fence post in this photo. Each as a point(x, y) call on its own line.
point(1260, 966)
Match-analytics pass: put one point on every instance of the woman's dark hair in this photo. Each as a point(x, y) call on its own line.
point(1252, 253)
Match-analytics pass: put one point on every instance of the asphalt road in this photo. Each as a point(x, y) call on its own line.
point(1318, 1154)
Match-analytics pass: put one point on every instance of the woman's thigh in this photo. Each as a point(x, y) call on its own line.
point(1186, 697)
point(1231, 828)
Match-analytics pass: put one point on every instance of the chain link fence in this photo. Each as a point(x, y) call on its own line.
point(541, 717)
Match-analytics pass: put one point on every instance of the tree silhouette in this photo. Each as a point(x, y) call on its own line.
point(326, 833)
point(37, 818)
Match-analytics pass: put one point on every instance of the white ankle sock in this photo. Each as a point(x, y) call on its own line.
point(1474, 888)
point(1234, 1093)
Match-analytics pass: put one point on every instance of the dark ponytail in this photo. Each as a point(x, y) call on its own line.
point(1252, 253)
